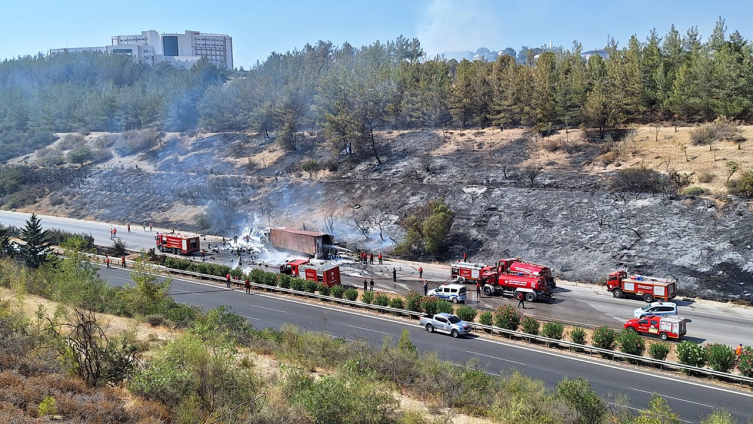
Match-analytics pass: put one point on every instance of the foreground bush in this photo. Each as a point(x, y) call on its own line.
point(466, 313)
point(720, 357)
point(396, 303)
point(553, 330)
point(367, 297)
point(323, 289)
point(693, 354)
point(578, 335)
point(659, 351)
point(507, 317)
point(486, 318)
point(745, 364)
point(586, 403)
point(381, 299)
point(604, 337)
point(338, 291)
point(310, 286)
point(429, 305)
point(351, 294)
point(284, 281)
point(632, 343)
point(445, 306)
point(413, 301)
point(530, 325)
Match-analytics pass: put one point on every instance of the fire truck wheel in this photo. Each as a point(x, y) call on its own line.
point(429, 328)
point(454, 333)
point(663, 336)
point(648, 297)
point(461, 280)
point(487, 291)
point(161, 249)
point(617, 293)
point(530, 297)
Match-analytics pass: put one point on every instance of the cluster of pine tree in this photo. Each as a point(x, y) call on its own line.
point(350, 92)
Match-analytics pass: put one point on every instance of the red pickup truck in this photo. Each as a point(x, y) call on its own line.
point(666, 327)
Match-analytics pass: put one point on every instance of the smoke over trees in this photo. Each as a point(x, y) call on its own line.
point(350, 92)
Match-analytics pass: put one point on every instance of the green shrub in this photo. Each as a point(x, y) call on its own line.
point(659, 351)
point(720, 357)
point(578, 336)
point(381, 299)
point(507, 317)
point(579, 395)
point(632, 343)
point(745, 364)
point(530, 325)
point(297, 284)
point(689, 353)
point(337, 291)
point(80, 156)
point(604, 337)
point(413, 301)
point(638, 180)
point(48, 406)
point(466, 313)
point(284, 281)
point(396, 303)
point(430, 305)
point(695, 191)
point(743, 186)
point(323, 290)
point(445, 306)
point(351, 294)
point(256, 275)
point(310, 286)
point(553, 330)
point(367, 297)
point(486, 318)
point(269, 279)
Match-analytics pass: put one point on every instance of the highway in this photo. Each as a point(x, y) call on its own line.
point(588, 305)
point(692, 398)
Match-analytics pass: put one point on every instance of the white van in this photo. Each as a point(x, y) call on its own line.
point(455, 293)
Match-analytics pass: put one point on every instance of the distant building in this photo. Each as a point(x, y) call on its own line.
point(587, 55)
point(180, 50)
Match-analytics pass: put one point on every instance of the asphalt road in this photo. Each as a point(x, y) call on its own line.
point(709, 322)
point(691, 398)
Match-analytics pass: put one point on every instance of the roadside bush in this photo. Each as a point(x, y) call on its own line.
point(638, 180)
point(466, 313)
point(429, 305)
point(269, 279)
point(632, 343)
point(338, 291)
point(486, 318)
point(720, 357)
point(743, 186)
point(297, 284)
point(578, 335)
point(256, 275)
point(284, 281)
point(396, 303)
point(553, 330)
point(351, 294)
point(695, 191)
point(689, 353)
point(445, 306)
point(367, 297)
point(324, 290)
point(579, 395)
point(310, 286)
point(381, 299)
point(413, 301)
point(507, 317)
point(530, 325)
point(659, 351)
point(604, 337)
point(745, 364)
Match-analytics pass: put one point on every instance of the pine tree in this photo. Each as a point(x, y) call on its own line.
point(34, 252)
point(5, 247)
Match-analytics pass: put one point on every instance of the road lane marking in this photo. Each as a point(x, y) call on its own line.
point(572, 358)
point(270, 309)
point(250, 317)
point(670, 397)
point(494, 357)
point(367, 329)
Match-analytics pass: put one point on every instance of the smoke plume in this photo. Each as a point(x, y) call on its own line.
point(459, 26)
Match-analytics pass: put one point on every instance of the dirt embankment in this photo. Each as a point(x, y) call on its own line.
point(542, 199)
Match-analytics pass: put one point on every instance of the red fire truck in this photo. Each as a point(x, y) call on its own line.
point(466, 272)
point(178, 244)
point(649, 288)
point(329, 275)
point(663, 326)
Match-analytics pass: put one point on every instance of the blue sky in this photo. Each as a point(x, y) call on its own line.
point(260, 27)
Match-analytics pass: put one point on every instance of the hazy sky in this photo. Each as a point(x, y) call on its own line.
point(260, 27)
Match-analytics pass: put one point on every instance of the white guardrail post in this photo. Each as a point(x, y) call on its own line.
point(489, 328)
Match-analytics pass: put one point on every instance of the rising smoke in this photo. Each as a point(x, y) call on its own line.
point(459, 26)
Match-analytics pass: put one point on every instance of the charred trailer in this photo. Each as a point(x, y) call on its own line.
point(177, 244)
point(311, 243)
point(328, 275)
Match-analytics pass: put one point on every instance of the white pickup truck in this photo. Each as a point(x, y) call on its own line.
point(445, 323)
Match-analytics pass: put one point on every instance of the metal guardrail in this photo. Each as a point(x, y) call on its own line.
point(476, 326)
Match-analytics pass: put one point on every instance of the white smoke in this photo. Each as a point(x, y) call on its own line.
point(459, 26)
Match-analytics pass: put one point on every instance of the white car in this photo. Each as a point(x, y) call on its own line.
point(656, 308)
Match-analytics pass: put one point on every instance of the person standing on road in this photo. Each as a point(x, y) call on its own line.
point(114, 232)
point(394, 275)
point(371, 283)
point(228, 280)
point(521, 300)
point(380, 258)
point(144, 225)
point(122, 262)
point(465, 257)
point(129, 227)
point(420, 272)
point(365, 285)
point(248, 286)
point(739, 351)
point(371, 259)
point(478, 291)
point(107, 261)
point(426, 287)
point(150, 226)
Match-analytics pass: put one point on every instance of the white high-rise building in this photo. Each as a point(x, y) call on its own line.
point(180, 50)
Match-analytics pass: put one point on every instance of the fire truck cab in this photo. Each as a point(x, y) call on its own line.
point(328, 275)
